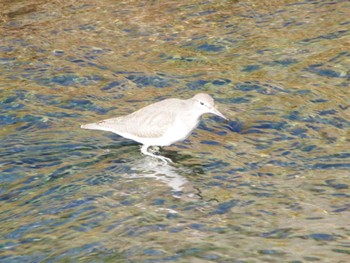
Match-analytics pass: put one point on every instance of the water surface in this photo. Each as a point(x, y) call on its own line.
point(270, 185)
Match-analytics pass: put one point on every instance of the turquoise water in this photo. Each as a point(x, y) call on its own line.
point(270, 185)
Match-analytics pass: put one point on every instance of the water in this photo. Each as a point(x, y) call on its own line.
point(270, 185)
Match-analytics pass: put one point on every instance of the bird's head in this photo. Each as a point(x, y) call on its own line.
point(204, 103)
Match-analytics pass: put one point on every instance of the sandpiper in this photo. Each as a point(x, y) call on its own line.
point(160, 124)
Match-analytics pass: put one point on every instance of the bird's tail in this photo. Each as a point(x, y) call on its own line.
point(97, 126)
point(92, 126)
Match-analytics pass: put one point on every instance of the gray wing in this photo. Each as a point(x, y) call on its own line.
point(149, 122)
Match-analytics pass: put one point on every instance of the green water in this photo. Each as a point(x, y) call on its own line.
point(270, 185)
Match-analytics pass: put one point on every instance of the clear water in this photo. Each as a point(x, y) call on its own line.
point(270, 185)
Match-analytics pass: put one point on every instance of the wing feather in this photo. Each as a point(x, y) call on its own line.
point(151, 121)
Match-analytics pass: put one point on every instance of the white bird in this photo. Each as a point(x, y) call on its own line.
point(160, 124)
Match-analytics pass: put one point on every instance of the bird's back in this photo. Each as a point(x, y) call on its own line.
point(151, 121)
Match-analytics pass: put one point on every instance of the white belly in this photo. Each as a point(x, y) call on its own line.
point(179, 131)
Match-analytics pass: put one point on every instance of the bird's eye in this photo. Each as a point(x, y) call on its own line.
point(202, 103)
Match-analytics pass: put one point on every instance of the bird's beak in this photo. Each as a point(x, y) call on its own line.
point(218, 113)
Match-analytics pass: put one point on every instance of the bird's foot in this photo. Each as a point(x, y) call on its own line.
point(164, 159)
point(154, 149)
point(151, 153)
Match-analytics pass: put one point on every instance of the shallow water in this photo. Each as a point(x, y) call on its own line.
point(270, 185)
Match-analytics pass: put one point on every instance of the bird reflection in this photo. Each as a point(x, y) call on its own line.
point(153, 168)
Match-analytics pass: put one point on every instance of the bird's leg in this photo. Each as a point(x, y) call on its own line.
point(145, 152)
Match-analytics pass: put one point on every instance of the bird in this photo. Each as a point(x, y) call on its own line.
point(162, 123)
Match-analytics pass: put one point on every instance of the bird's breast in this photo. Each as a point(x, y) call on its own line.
point(180, 130)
